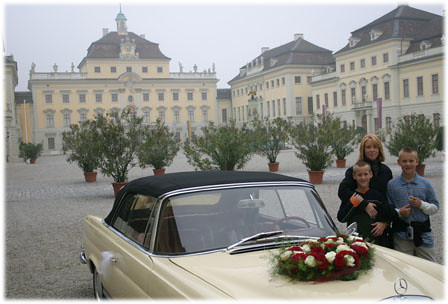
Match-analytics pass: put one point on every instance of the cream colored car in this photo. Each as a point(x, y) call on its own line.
point(212, 235)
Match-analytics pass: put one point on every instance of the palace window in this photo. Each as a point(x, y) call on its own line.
point(128, 69)
point(342, 67)
point(144, 69)
point(98, 97)
point(67, 119)
point(189, 96)
point(373, 60)
point(159, 69)
point(317, 101)
point(97, 69)
point(385, 57)
point(363, 63)
point(114, 97)
point(145, 96)
point(343, 97)
point(298, 105)
point(204, 96)
point(386, 90)
point(420, 86)
point(352, 66)
point(50, 120)
point(65, 98)
point(435, 83)
point(297, 79)
point(160, 96)
point(405, 88)
point(113, 69)
point(82, 98)
point(48, 98)
point(335, 99)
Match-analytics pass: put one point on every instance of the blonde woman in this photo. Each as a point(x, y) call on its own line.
point(371, 151)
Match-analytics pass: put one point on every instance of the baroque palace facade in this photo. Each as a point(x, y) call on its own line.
point(121, 70)
point(390, 68)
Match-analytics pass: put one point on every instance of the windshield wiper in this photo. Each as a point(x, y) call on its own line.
point(255, 237)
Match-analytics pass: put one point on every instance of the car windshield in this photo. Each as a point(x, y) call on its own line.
point(217, 219)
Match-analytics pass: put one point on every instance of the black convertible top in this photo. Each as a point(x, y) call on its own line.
point(158, 185)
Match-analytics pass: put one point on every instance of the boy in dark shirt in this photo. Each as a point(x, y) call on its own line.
point(368, 208)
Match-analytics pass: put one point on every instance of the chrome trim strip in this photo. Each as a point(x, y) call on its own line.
point(83, 257)
point(236, 185)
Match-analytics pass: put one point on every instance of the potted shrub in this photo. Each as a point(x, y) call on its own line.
point(30, 151)
point(225, 147)
point(157, 148)
point(312, 141)
point(120, 135)
point(344, 138)
point(415, 131)
point(81, 141)
point(271, 137)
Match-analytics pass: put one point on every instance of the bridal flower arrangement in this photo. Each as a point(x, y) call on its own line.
point(339, 257)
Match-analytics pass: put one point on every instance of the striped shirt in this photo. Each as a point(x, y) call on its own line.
point(398, 192)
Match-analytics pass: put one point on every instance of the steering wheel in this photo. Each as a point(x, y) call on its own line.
point(288, 218)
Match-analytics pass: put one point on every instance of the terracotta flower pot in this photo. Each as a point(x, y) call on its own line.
point(158, 171)
point(316, 177)
point(90, 177)
point(273, 167)
point(117, 186)
point(340, 163)
point(421, 169)
point(32, 161)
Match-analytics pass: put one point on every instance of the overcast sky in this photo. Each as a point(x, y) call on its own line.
point(228, 35)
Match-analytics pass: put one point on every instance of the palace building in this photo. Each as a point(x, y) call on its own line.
point(389, 68)
point(121, 70)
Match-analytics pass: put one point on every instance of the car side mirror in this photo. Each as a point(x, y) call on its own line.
point(352, 229)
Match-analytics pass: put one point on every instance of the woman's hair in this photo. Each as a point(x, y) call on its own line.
point(376, 142)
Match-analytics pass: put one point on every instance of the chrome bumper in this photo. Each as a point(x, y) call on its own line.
point(82, 257)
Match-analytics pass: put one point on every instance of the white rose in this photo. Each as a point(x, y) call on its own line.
point(286, 255)
point(310, 261)
point(351, 238)
point(343, 247)
point(306, 248)
point(329, 241)
point(340, 240)
point(330, 256)
point(349, 260)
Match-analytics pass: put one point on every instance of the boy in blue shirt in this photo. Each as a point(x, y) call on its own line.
point(414, 198)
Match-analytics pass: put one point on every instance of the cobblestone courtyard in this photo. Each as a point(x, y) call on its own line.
point(46, 204)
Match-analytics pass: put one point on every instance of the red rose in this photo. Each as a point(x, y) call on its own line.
point(299, 256)
point(295, 248)
point(330, 246)
point(322, 262)
point(317, 251)
point(359, 249)
point(322, 239)
point(343, 236)
point(339, 260)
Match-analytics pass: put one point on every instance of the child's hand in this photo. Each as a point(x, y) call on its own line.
point(371, 210)
point(356, 199)
point(405, 211)
point(378, 228)
point(415, 202)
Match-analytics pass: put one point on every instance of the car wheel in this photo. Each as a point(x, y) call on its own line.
point(97, 286)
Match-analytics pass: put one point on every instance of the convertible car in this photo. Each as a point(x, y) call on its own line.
point(213, 235)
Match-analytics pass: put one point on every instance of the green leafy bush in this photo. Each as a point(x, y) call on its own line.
point(225, 147)
point(415, 131)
